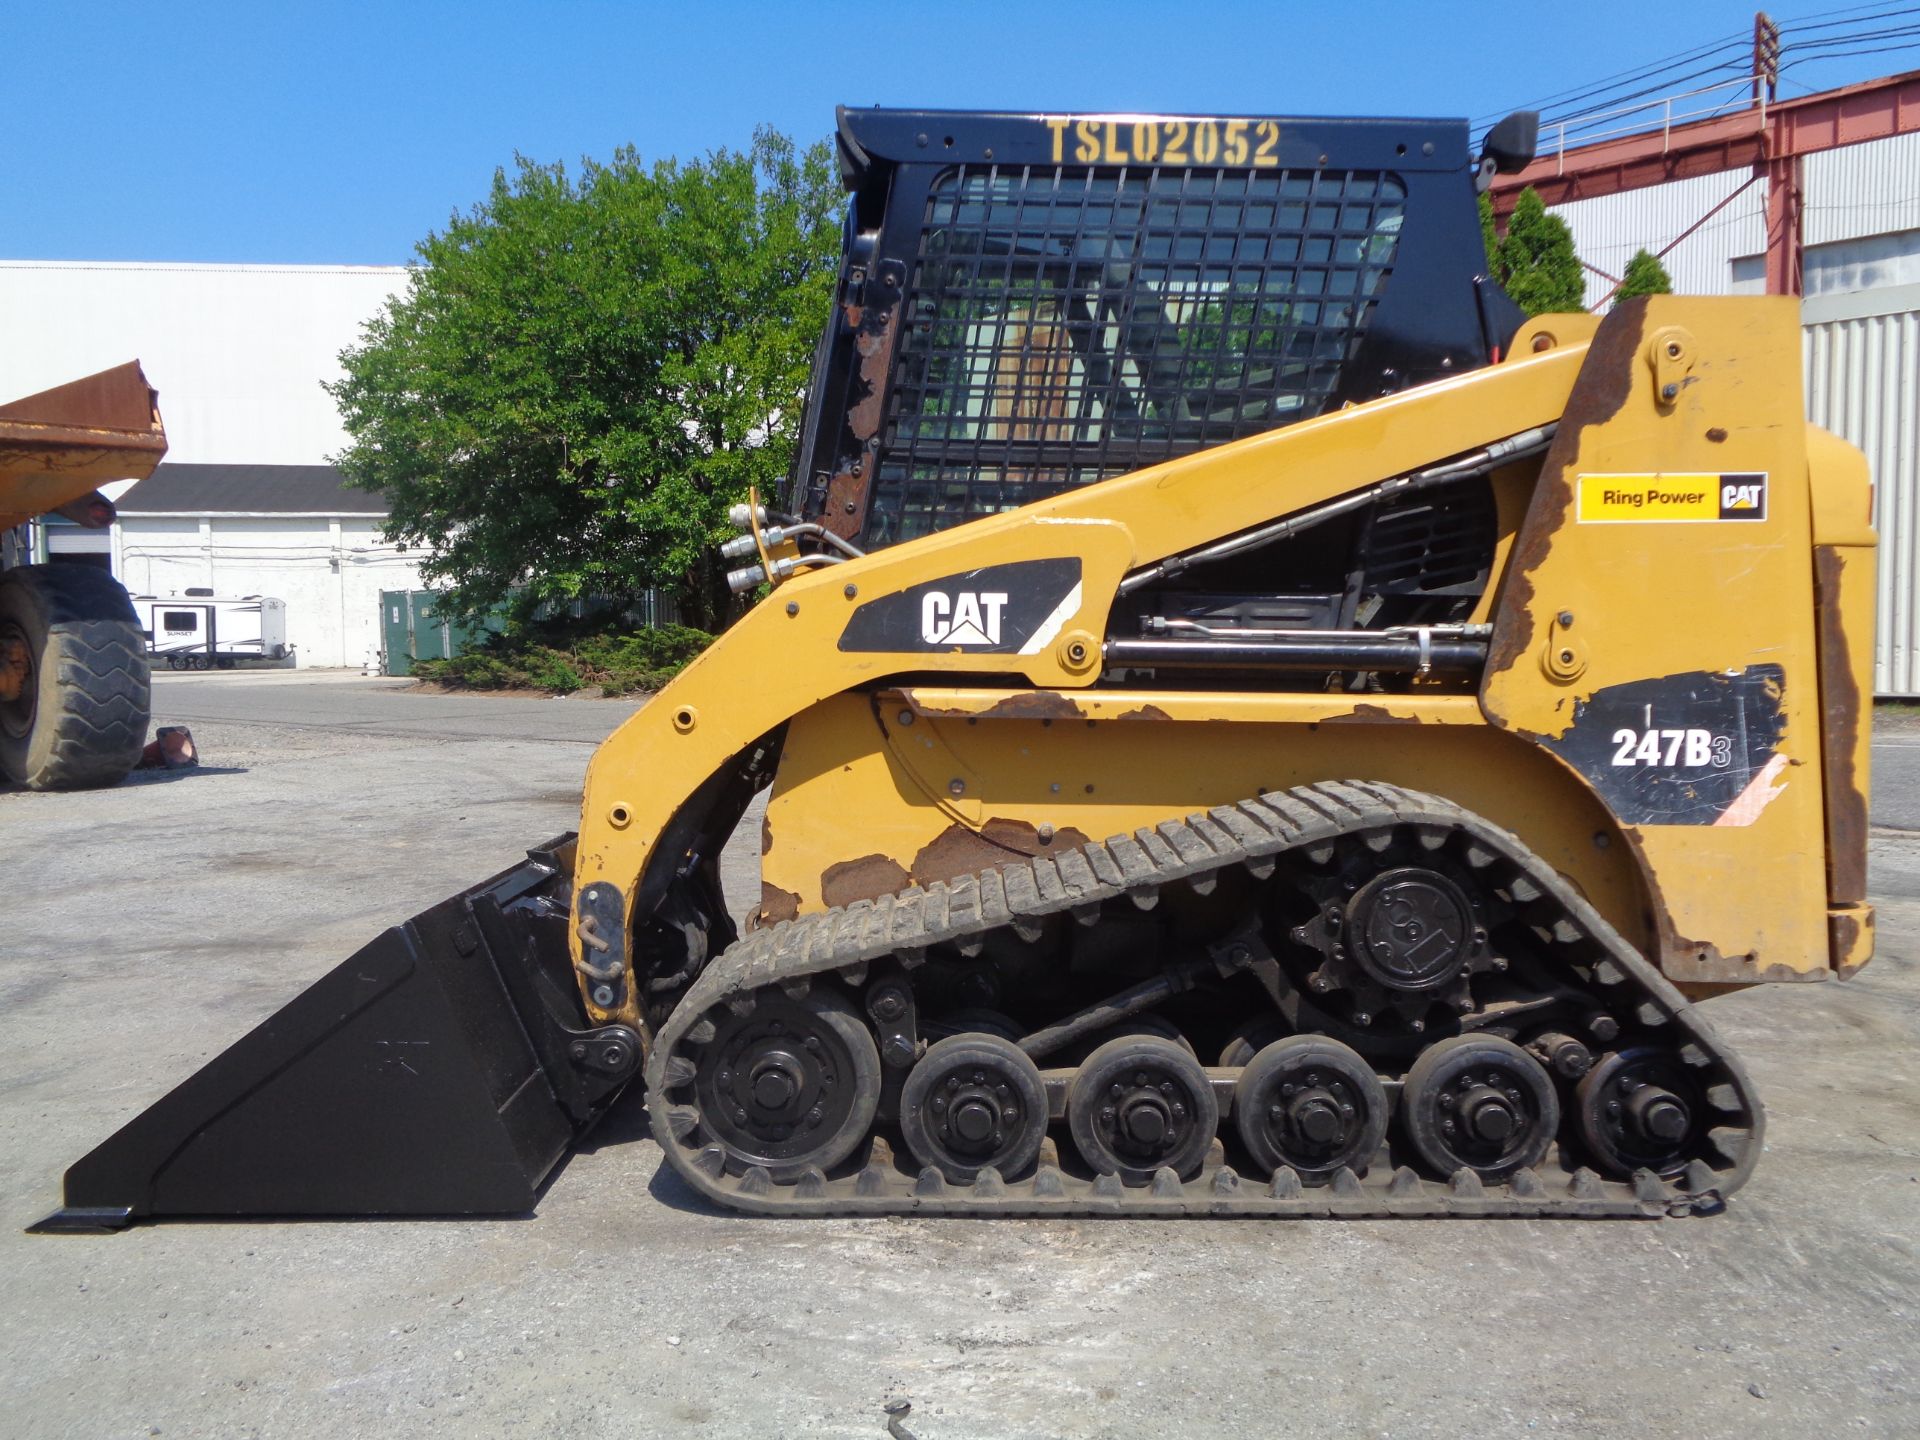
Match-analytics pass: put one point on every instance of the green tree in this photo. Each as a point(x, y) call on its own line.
point(584, 374)
point(1645, 276)
point(1534, 261)
point(1489, 236)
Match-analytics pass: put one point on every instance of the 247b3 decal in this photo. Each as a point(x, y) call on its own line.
point(1699, 748)
point(1694, 749)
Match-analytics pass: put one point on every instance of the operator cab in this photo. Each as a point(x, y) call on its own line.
point(1029, 303)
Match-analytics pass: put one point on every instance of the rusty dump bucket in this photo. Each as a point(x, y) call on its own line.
point(58, 446)
point(444, 1069)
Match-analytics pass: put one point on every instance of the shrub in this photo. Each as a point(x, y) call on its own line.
point(1534, 261)
point(640, 659)
point(551, 671)
point(476, 670)
point(1645, 275)
point(619, 664)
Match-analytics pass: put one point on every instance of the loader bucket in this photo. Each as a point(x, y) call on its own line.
point(58, 445)
point(442, 1070)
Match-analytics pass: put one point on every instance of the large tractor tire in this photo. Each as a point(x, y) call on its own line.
point(74, 696)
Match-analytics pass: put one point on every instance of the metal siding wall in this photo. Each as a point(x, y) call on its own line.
point(1855, 191)
point(1858, 190)
point(1609, 228)
point(1863, 383)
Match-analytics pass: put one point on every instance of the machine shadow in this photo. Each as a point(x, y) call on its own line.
point(625, 1123)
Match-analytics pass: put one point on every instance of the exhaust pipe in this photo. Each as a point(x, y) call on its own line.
point(444, 1069)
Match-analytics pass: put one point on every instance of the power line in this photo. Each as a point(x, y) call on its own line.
point(1798, 39)
point(1667, 86)
point(1794, 26)
point(1826, 40)
point(1838, 40)
point(1843, 54)
point(1823, 14)
point(1619, 102)
point(1625, 77)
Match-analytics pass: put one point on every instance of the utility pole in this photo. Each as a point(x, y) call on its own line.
point(1766, 57)
point(1782, 171)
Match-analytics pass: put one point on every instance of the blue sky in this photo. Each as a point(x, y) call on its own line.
point(342, 133)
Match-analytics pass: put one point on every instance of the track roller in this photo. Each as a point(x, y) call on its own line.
point(1312, 1104)
point(973, 1101)
point(1142, 1103)
point(1133, 1026)
point(1640, 1110)
point(1480, 1103)
point(1249, 1039)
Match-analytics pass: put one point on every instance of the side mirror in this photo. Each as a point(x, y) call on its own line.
point(1510, 146)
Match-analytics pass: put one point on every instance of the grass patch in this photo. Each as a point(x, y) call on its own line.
point(557, 664)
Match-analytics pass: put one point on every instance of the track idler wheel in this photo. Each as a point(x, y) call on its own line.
point(790, 1084)
point(1640, 1110)
point(974, 1101)
point(1480, 1103)
point(1142, 1103)
point(1312, 1104)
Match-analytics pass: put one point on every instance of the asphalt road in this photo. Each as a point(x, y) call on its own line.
point(150, 925)
point(1896, 773)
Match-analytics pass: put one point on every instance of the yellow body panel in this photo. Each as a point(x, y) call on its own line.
point(904, 767)
point(1593, 600)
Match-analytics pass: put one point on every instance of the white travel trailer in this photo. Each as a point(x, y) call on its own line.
point(198, 629)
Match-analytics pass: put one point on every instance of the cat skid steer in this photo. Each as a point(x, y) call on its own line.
point(1252, 727)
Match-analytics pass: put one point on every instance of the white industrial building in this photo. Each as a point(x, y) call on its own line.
point(245, 502)
point(294, 532)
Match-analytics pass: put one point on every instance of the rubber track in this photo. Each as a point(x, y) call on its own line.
point(845, 941)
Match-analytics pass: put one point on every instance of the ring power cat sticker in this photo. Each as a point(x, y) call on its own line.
point(1617, 499)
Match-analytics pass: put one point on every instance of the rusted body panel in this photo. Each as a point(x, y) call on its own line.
point(1844, 560)
point(876, 330)
point(1269, 707)
point(949, 795)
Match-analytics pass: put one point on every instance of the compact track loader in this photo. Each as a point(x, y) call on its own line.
point(1251, 727)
